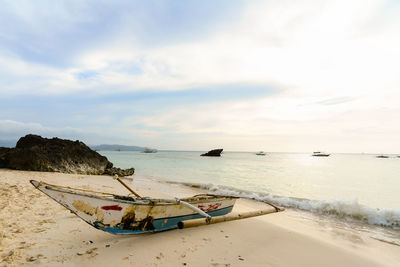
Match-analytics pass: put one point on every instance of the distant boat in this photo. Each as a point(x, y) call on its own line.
point(382, 157)
point(149, 150)
point(213, 153)
point(261, 153)
point(320, 154)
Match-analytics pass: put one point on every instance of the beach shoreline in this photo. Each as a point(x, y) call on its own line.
point(35, 230)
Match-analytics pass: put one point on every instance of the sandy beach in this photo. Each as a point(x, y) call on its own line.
point(35, 230)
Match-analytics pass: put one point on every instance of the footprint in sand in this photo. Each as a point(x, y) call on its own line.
point(46, 221)
point(160, 256)
point(35, 258)
point(39, 230)
point(90, 252)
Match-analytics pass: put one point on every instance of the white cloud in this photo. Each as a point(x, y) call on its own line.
point(10, 129)
point(321, 50)
point(313, 48)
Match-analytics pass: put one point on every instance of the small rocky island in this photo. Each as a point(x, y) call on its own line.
point(35, 153)
point(213, 153)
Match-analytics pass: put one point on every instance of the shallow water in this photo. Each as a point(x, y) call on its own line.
point(354, 187)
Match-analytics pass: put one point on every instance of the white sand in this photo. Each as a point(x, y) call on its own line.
point(35, 230)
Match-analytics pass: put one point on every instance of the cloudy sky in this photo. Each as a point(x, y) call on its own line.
point(283, 75)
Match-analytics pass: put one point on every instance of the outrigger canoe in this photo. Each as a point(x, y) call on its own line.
point(118, 214)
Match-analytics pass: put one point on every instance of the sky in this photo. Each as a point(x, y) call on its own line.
point(289, 76)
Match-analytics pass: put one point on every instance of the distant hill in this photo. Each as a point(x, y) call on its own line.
point(103, 147)
point(116, 148)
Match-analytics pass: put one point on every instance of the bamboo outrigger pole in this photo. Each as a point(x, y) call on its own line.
point(225, 218)
point(196, 209)
point(126, 186)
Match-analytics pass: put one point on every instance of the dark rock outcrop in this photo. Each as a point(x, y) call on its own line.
point(34, 153)
point(3, 159)
point(213, 153)
point(119, 172)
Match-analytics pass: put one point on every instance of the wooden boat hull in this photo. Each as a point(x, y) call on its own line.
point(122, 215)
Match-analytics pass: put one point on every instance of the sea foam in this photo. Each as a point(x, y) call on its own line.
point(348, 210)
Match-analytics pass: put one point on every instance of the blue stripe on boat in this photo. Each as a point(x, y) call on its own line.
point(162, 224)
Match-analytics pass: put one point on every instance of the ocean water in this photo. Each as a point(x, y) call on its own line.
point(358, 189)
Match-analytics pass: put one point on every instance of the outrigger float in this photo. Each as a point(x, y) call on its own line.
point(118, 214)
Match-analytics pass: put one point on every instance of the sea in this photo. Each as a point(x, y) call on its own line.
point(355, 191)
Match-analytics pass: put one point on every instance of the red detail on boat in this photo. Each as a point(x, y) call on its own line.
point(113, 207)
point(210, 207)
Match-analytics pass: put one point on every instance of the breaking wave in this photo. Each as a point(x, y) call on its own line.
point(348, 210)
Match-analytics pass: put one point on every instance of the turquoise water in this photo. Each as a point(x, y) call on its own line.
point(353, 186)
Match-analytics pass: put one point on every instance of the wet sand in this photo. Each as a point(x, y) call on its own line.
point(35, 230)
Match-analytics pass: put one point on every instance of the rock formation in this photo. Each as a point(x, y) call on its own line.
point(117, 171)
point(34, 153)
point(213, 153)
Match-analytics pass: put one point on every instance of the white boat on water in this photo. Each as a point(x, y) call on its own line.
point(149, 150)
point(320, 154)
point(260, 153)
